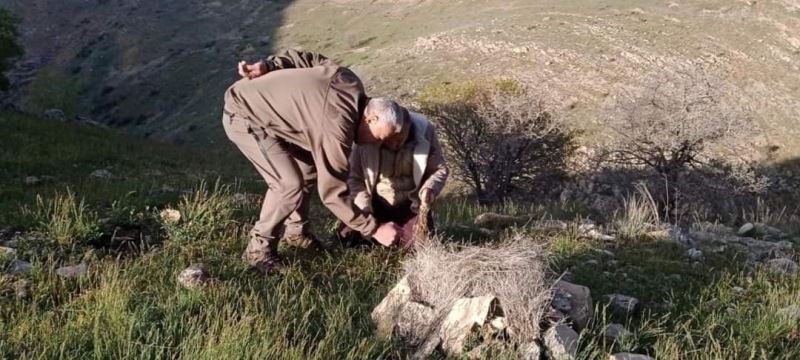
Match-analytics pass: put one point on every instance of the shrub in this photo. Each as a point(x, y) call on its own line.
point(65, 219)
point(9, 46)
point(499, 138)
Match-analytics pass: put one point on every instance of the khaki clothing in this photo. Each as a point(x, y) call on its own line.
point(302, 117)
point(395, 176)
point(429, 169)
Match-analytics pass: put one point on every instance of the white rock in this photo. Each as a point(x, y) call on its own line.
point(412, 321)
point(629, 356)
point(746, 230)
point(575, 301)
point(7, 251)
point(385, 315)
point(694, 254)
point(170, 215)
point(72, 271)
point(19, 267)
point(464, 317)
point(101, 174)
point(32, 180)
point(499, 323)
point(194, 276)
point(615, 332)
point(782, 266)
point(562, 342)
point(495, 221)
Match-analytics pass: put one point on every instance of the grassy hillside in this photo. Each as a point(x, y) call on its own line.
point(129, 304)
point(158, 70)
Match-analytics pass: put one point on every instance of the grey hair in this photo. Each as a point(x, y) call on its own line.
point(387, 111)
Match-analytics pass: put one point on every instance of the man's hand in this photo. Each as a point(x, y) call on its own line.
point(426, 197)
point(252, 71)
point(388, 233)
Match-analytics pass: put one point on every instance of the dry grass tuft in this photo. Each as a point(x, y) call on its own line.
point(514, 270)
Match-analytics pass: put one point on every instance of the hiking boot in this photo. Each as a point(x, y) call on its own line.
point(271, 265)
point(308, 241)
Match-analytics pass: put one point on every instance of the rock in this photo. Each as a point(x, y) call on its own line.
point(790, 313)
point(622, 304)
point(694, 254)
point(465, 316)
point(170, 215)
point(592, 262)
point(782, 266)
point(575, 301)
point(629, 356)
point(101, 174)
point(499, 323)
point(530, 351)
point(589, 231)
point(746, 230)
point(31, 180)
point(385, 315)
point(7, 251)
point(412, 319)
point(616, 332)
point(496, 221)
point(550, 225)
point(737, 290)
point(193, 277)
point(55, 115)
point(21, 287)
point(562, 342)
point(19, 267)
point(769, 232)
point(74, 271)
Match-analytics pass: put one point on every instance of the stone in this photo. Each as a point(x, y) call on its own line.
point(561, 342)
point(622, 304)
point(782, 266)
point(790, 313)
point(466, 316)
point(194, 276)
point(530, 351)
point(19, 267)
point(496, 221)
point(616, 332)
point(769, 232)
point(31, 180)
point(694, 254)
point(74, 271)
point(575, 301)
point(629, 356)
point(746, 230)
point(101, 174)
point(170, 215)
point(550, 225)
point(413, 318)
point(385, 315)
point(55, 115)
point(7, 251)
point(499, 323)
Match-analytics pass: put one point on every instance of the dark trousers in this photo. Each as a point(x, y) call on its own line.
point(400, 215)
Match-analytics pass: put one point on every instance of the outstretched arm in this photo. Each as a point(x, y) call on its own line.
point(289, 59)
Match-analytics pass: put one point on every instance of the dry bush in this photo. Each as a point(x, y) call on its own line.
point(514, 270)
point(687, 138)
point(500, 139)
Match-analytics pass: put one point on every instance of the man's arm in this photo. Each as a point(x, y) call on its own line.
point(289, 59)
point(356, 183)
point(436, 168)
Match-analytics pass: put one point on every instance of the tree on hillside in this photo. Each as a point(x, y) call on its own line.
point(9, 47)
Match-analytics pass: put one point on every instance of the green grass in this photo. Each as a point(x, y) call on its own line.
point(130, 306)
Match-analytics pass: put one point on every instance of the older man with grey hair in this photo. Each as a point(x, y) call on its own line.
point(295, 116)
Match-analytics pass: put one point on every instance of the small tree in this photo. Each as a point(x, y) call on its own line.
point(9, 47)
point(500, 140)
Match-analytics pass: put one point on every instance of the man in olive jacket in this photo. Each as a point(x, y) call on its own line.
point(295, 116)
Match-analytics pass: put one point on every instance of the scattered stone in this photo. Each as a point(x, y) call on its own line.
point(19, 267)
point(31, 180)
point(575, 301)
point(499, 323)
point(74, 271)
point(496, 221)
point(782, 266)
point(746, 230)
point(101, 174)
point(562, 342)
point(193, 277)
point(411, 317)
point(55, 115)
point(694, 254)
point(170, 215)
point(790, 313)
point(21, 287)
point(7, 251)
point(616, 332)
point(622, 304)
point(466, 316)
point(530, 351)
point(385, 315)
point(629, 356)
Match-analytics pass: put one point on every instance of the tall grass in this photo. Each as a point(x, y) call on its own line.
point(64, 218)
point(639, 214)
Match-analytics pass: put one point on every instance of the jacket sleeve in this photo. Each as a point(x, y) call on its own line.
point(436, 170)
point(292, 59)
point(356, 182)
